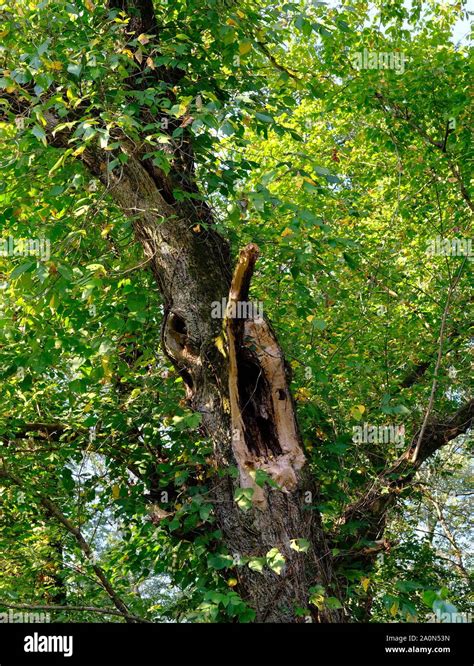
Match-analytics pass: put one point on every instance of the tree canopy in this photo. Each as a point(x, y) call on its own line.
point(336, 138)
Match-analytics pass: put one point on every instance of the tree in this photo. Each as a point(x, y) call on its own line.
point(176, 121)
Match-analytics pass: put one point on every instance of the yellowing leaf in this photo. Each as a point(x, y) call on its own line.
point(232, 582)
point(220, 344)
point(143, 39)
point(245, 47)
point(257, 564)
point(317, 596)
point(365, 583)
point(275, 560)
point(99, 269)
point(54, 65)
point(302, 394)
point(243, 498)
point(115, 491)
point(105, 232)
point(89, 5)
point(286, 232)
point(357, 411)
point(310, 318)
point(150, 63)
point(300, 545)
point(59, 163)
point(107, 370)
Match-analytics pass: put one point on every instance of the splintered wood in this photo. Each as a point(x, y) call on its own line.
point(265, 438)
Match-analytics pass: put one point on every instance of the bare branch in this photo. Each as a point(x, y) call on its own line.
point(449, 536)
point(77, 534)
point(74, 609)
point(372, 507)
point(50, 431)
point(434, 385)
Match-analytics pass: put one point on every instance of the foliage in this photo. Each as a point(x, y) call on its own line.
point(335, 173)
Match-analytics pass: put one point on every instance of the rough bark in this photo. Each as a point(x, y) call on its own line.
point(240, 386)
point(192, 268)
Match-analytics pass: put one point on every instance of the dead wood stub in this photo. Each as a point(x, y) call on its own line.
point(265, 434)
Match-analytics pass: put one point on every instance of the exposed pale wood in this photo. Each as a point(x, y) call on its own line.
point(256, 335)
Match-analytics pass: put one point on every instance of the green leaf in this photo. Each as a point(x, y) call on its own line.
point(219, 561)
point(39, 133)
point(319, 324)
point(22, 268)
point(300, 545)
point(275, 560)
point(322, 171)
point(75, 70)
point(65, 272)
point(257, 564)
point(333, 603)
point(205, 511)
point(400, 409)
point(243, 498)
point(351, 261)
point(264, 117)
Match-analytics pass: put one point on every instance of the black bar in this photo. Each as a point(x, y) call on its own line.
point(242, 645)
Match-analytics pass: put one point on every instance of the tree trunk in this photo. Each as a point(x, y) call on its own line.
point(192, 266)
point(234, 371)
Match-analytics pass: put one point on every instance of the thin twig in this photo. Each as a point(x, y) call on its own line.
point(75, 609)
point(434, 385)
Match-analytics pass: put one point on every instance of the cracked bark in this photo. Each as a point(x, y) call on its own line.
point(192, 273)
point(264, 431)
point(192, 267)
point(244, 392)
point(243, 396)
